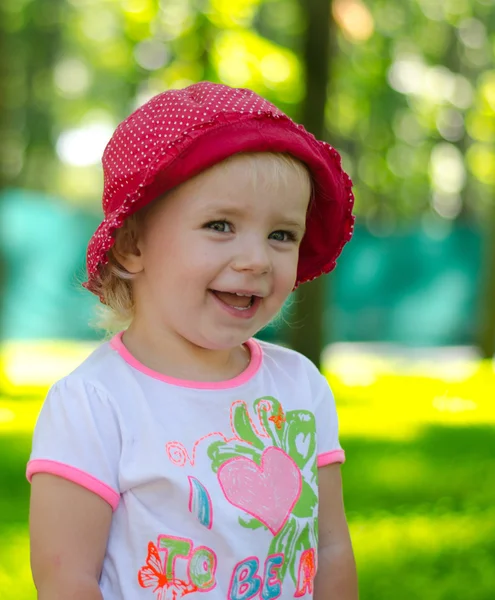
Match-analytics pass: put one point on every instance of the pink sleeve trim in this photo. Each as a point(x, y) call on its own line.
point(327, 458)
point(75, 475)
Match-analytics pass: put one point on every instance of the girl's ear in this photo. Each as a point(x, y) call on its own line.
point(131, 261)
point(126, 251)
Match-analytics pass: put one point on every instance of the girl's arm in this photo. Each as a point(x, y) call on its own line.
point(69, 528)
point(336, 578)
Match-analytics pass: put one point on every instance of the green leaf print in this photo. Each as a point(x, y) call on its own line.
point(313, 534)
point(307, 503)
point(291, 541)
point(281, 544)
point(300, 437)
point(219, 452)
point(273, 421)
point(244, 428)
point(314, 472)
point(252, 524)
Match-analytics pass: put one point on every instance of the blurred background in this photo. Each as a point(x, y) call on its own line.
point(404, 328)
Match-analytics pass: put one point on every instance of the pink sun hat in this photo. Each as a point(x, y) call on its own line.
point(179, 133)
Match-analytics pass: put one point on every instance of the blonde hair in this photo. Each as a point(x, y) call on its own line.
point(114, 282)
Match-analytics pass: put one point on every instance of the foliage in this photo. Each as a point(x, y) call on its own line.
point(411, 91)
point(412, 86)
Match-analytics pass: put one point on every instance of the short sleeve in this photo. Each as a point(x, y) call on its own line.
point(327, 424)
point(77, 437)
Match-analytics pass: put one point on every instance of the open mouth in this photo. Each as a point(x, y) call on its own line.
point(237, 301)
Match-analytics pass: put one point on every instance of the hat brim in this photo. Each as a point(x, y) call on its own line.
point(329, 224)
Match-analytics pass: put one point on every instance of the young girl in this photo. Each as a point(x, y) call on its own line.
point(184, 457)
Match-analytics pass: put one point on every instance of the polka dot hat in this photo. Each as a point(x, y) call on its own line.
point(179, 133)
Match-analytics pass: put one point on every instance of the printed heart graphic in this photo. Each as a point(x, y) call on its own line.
point(268, 492)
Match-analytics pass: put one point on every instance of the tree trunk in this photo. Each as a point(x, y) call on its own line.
point(306, 336)
point(486, 327)
point(42, 43)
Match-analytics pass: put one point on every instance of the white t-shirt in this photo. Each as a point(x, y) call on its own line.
point(213, 485)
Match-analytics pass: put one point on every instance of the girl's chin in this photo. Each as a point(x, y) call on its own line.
point(218, 340)
point(217, 345)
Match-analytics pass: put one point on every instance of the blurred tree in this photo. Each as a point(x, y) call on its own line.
point(307, 332)
point(39, 52)
point(5, 68)
point(11, 94)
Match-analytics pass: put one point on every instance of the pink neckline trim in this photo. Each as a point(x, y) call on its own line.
point(254, 364)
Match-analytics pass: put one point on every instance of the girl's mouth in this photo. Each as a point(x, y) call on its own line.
point(239, 305)
point(239, 301)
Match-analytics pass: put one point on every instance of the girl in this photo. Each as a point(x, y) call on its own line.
point(183, 457)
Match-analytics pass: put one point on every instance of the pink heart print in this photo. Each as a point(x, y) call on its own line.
point(268, 492)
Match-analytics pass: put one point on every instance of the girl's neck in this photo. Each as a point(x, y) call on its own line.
point(176, 357)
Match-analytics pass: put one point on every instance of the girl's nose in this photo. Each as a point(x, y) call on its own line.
point(253, 257)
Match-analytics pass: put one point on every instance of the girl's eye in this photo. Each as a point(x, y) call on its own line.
point(221, 226)
point(283, 236)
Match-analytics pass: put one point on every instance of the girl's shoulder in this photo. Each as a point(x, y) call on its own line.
point(93, 394)
point(294, 375)
point(97, 369)
point(101, 374)
point(285, 359)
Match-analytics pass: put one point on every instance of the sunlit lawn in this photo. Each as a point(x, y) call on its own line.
point(419, 477)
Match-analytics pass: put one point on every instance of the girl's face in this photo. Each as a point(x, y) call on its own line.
point(217, 257)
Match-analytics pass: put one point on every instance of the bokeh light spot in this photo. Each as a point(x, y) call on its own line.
point(481, 161)
point(151, 55)
point(275, 67)
point(72, 77)
point(447, 171)
point(354, 19)
point(83, 146)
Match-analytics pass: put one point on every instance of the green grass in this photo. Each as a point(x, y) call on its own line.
point(419, 486)
point(15, 576)
point(422, 514)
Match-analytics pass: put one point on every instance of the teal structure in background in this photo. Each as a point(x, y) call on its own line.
point(418, 287)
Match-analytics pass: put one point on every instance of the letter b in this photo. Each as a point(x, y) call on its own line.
point(245, 583)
